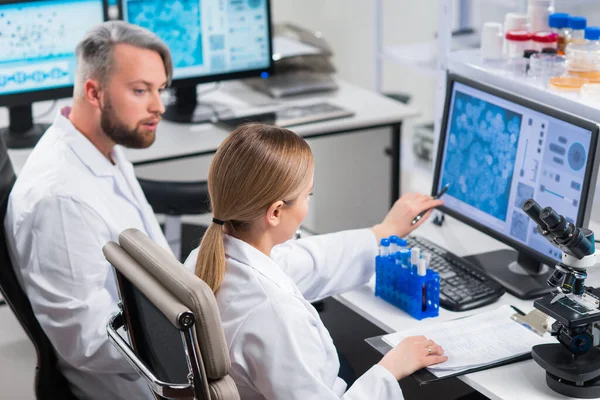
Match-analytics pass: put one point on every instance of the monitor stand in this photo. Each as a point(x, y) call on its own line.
point(187, 110)
point(21, 132)
point(518, 273)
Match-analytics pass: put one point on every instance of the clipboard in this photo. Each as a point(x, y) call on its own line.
point(491, 324)
point(423, 376)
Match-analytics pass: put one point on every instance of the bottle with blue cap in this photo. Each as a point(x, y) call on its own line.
point(559, 23)
point(583, 59)
point(577, 33)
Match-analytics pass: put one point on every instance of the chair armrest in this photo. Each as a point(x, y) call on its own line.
point(164, 389)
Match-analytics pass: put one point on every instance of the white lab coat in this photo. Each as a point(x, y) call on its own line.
point(279, 347)
point(68, 201)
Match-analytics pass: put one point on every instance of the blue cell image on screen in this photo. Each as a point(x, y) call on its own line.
point(480, 154)
point(177, 23)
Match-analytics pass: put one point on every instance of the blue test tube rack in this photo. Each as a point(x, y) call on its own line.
point(398, 283)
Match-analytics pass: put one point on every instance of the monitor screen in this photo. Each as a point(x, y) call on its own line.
point(207, 38)
point(38, 40)
point(497, 150)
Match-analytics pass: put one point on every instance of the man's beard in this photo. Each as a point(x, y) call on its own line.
point(119, 133)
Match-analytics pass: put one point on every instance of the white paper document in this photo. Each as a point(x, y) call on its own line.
point(285, 47)
point(474, 341)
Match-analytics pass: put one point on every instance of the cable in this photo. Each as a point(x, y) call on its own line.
point(42, 115)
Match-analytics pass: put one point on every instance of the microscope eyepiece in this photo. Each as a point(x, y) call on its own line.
point(550, 217)
point(533, 211)
point(577, 242)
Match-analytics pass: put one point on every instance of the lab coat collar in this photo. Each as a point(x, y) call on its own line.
point(260, 262)
point(85, 150)
point(99, 165)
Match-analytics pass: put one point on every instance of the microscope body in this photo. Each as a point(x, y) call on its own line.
point(573, 365)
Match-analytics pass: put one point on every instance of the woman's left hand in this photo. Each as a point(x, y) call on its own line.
point(398, 220)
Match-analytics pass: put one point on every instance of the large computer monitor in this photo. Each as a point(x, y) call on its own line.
point(37, 58)
point(497, 150)
point(210, 41)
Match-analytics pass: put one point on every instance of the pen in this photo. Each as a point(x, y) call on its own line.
point(437, 196)
point(517, 310)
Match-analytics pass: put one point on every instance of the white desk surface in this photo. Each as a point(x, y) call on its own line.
point(175, 140)
point(522, 380)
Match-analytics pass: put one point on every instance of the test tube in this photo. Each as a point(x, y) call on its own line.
point(415, 255)
point(394, 244)
point(427, 257)
point(384, 247)
point(402, 242)
point(422, 267)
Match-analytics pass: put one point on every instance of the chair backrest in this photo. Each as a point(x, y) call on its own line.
point(49, 381)
point(173, 322)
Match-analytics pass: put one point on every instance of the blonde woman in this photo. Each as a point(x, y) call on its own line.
point(260, 182)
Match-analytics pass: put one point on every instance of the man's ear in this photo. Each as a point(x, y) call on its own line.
point(93, 92)
point(274, 213)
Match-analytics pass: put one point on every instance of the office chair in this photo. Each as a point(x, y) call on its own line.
point(174, 326)
point(174, 199)
point(49, 382)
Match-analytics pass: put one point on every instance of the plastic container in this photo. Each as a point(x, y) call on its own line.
point(517, 42)
point(542, 67)
point(577, 33)
point(570, 84)
point(417, 295)
point(514, 22)
point(492, 41)
point(538, 12)
point(544, 40)
point(583, 59)
point(559, 23)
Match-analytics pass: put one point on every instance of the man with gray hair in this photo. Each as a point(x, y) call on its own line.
point(77, 191)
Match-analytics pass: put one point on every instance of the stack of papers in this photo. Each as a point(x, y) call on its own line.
point(476, 341)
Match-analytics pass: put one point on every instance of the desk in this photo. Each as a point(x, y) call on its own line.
point(177, 141)
point(523, 380)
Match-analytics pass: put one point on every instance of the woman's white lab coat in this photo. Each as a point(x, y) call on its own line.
point(278, 345)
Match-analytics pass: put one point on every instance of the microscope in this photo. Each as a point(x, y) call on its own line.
point(573, 365)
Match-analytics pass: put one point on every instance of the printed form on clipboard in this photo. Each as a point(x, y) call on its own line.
point(476, 341)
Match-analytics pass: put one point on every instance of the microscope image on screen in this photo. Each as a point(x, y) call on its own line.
point(480, 154)
point(179, 26)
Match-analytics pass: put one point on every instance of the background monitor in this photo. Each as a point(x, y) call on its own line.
point(210, 41)
point(497, 150)
point(37, 58)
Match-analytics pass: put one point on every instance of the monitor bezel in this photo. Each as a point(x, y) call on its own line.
point(588, 186)
point(32, 96)
point(197, 80)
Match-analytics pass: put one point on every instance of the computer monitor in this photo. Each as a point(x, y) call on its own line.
point(496, 150)
point(210, 41)
point(37, 58)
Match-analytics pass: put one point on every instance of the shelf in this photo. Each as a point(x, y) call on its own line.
point(468, 63)
point(423, 56)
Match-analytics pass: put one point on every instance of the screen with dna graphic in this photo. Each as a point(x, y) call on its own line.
point(38, 40)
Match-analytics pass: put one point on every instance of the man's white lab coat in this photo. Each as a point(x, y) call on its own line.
point(68, 201)
point(279, 347)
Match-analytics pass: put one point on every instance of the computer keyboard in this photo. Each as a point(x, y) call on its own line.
point(463, 286)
